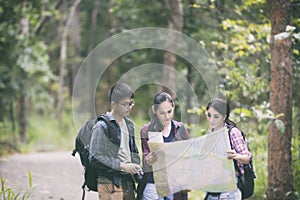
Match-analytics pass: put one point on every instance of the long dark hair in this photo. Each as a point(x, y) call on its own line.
point(223, 108)
point(159, 98)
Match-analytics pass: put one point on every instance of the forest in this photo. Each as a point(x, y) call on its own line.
point(60, 57)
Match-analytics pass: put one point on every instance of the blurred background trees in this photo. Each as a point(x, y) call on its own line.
point(43, 43)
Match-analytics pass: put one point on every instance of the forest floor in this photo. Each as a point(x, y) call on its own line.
point(55, 175)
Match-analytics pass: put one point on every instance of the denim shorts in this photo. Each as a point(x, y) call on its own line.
point(236, 195)
point(150, 193)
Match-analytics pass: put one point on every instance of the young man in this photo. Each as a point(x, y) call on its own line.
point(115, 154)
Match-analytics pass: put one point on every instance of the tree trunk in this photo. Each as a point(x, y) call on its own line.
point(63, 57)
point(12, 116)
point(91, 61)
point(75, 38)
point(112, 70)
point(175, 23)
point(22, 119)
point(280, 179)
point(22, 111)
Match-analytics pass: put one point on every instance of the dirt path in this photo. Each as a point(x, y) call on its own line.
point(55, 175)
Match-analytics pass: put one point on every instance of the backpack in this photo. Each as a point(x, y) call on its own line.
point(245, 181)
point(82, 146)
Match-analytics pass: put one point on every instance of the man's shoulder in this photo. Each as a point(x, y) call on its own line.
point(108, 116)
point(103, 121)
point(100, 124)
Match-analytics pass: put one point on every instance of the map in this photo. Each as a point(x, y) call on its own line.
point(196, 164)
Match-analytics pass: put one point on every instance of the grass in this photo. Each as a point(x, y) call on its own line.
point(7, 193)
point(44, 135)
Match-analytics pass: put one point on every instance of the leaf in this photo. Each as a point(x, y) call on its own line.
point(297, 36)
point(195, 5)
point(282, 36)
point(269, 123)
point(290, 28)
point(30, 178)
point(279, 115)
point(280, 125)
point(243, 112)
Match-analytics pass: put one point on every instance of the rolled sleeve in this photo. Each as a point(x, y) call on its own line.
point(145, 146)
point(238, 142)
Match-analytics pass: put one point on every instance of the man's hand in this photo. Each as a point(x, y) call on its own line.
point(130, 168)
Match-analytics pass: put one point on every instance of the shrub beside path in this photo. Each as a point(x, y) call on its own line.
point(55, 175)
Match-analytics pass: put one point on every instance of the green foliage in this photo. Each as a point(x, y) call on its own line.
point(24, 62)
point(197, 130)
point(296, 148)
point(8, 138)
point(241, 53)
point(128, 13)
point(7, 193)
point(44, 134)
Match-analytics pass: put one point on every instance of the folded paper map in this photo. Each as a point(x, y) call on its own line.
point(195, 164)
point(155, 137)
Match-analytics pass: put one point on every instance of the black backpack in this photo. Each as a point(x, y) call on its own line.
point(246, 181)
point(82, 146)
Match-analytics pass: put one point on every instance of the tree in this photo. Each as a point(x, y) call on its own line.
point(280, 179)
point(175, 23)
point(23, 99)
point(23, 65)
point(63, 58)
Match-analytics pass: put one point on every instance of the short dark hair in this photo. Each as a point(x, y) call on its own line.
point(119, 91)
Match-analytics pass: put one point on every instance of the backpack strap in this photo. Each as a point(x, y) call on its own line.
point(73, 152)
point(90, 125)
point(106, 120)
point(83, 191)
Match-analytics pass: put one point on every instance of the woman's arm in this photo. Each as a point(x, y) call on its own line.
point(240, 150)
point(236, 156)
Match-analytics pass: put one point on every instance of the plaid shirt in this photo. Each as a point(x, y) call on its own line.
point(239, 145)
point(144, 139)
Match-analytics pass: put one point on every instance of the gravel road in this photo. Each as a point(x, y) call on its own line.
point(55, 175)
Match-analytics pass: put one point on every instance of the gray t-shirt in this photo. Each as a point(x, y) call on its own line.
point(124, 151)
